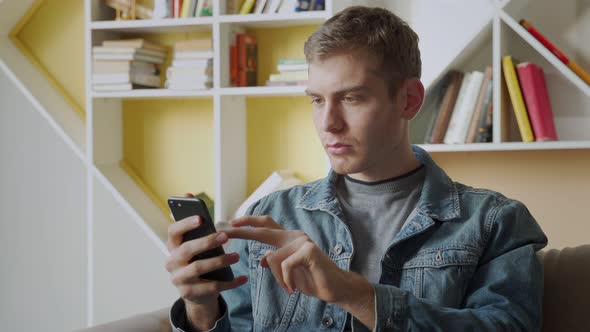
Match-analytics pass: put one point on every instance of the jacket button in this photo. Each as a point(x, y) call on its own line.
point(389, 323)
point(327, 321)
point(338, 249)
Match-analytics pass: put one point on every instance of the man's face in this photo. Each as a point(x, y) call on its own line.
point(360, 125)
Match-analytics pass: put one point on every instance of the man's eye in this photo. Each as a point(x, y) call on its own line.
point(316, 100)
point(350, 99)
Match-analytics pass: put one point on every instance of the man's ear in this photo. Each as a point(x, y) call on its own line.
point(414, 97)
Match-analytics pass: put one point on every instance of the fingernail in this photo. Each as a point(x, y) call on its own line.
point(235, 255)
point(222, 237)
point(243, 279)
point(195, 220)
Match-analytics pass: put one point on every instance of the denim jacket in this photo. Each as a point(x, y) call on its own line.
point(466, 261)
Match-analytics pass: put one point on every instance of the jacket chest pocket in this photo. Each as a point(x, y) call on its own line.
point(440, 275)
point(273, 309)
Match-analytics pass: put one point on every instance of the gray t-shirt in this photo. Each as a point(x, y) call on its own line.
point(375, 212)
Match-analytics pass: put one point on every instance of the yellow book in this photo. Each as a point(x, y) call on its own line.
point(522, 117)
point(186, 8)
point(247, 6)
point(579, 71)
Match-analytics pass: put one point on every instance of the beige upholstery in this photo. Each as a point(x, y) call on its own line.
point(566, 306)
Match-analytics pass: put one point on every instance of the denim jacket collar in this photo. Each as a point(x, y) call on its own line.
point(439, 199)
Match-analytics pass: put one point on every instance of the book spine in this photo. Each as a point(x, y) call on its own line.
point(233, 65)
point(536, 100)
point(247, 6)
point(518, 105)
point(472, 132)
point(447, 106)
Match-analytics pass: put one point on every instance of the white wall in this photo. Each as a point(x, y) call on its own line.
point(42, 221)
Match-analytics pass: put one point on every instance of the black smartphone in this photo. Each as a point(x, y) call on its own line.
point(184, 207)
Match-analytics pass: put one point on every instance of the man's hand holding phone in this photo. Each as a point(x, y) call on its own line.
point(200, 295)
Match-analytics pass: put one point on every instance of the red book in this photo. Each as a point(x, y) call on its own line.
point(536, 98)
point(233, 65)
point(176, 6)
point(247, 59)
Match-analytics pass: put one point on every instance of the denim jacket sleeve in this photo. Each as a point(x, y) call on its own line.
point(504, 294)
point(236, 304)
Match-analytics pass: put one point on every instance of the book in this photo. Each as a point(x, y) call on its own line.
point(259, 8)
point(273, 6)
point(187, 5)
point(110, 67)
point(584, 75)
point(289, 76)
point(520, 111)
point(191, 62)
point(484, 93)
point(189, 71)
point(318, 5)
point(233, 6)
point(441, 91)
point(294, 67)
point(204, 54)
point(127, 50)
point(485, 131)
point(247, 59)
point(204, 8)
point(287, 6)
point(162, 8)
point(233, 65)
point(534, 90)
point(134, 43)
point(134, 78)
point(447, 106)
point(176, 8)
point(278, 180)
point(198, 44)
point(292, 62)
point(133, 56)
point(112, 87)
point(247, 6)
point(482, 133)
point(464, 107)
point(303, 5)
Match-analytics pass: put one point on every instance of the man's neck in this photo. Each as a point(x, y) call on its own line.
point(395, 166)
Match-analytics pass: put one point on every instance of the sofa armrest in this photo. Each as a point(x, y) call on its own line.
point(567, 289)
point(155, 321)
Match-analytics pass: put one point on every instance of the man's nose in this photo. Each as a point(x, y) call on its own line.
point(332, 120)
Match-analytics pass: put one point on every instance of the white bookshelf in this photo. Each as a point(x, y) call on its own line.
point(485, 44)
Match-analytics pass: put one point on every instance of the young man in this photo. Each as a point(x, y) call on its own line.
point(386, 242)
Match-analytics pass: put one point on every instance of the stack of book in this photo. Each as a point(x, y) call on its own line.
point(243, 57)
point(291, 72)
point(192, 65)
point(273, 6)
point(120, 65)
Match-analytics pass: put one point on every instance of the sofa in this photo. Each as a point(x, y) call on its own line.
point(566, 304)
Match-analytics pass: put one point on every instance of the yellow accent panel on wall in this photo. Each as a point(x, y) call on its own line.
point(278, 43)
point(53, 36)
point(281, 135)
point(169, 144)
point(554, 185)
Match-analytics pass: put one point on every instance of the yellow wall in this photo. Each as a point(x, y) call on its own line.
point(281, 135)
point(54, 36)
point(278, 43)
point(169, 144)
point(555, 186)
